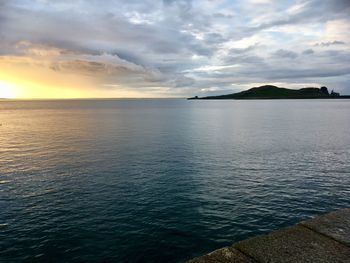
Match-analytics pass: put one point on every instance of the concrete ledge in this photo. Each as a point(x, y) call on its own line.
point(224, 255)
point(335, 225)
point(294, 244)
point(321, 239)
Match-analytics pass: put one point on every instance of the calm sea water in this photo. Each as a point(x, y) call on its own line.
point(163, 180)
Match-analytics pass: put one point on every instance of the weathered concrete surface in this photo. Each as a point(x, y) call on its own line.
point(294, 244)
point(224, 255)
point(322, 239)
point(335, 225)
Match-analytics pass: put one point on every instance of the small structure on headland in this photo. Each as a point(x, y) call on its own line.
point(325, 238)
point(334, 94)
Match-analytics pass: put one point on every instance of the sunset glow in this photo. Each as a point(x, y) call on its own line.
point(49, 49)
point(7, 90)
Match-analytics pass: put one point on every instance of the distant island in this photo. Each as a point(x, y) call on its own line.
point(273, 92)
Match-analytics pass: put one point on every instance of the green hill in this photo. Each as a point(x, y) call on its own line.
point(273, 92)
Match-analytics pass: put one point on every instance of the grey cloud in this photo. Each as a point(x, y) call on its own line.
point(285, 54)
point(245, 55)
point(288, 73)
point(214, 38)
point(243, 50)
point(294, 71)
point(244, 59)
point(110, 70)
point(128, 56)
point(313, 11)
point(308, 51)
point(330, 43)
point(263, 74)
point(222, 15)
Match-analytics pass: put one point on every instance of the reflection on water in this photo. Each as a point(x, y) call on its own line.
point(163, 180)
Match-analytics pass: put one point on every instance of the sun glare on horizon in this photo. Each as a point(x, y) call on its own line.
point(7, 90)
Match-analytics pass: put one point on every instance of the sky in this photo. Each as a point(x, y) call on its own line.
point(170, 48)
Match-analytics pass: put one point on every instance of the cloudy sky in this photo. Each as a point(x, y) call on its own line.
point(171, 48)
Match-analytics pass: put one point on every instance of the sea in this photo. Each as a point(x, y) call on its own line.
point(163, 180)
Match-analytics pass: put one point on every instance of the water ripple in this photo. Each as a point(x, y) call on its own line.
point(117, 180)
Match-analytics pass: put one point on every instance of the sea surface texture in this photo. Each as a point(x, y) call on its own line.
point(163, 180)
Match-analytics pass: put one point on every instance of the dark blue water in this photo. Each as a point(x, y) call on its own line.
point(163, 180)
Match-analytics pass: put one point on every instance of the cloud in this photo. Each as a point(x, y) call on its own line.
point(308, 51)
point(285, 54)
point(330, 43)
point(180, 46)
point(223, 15)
